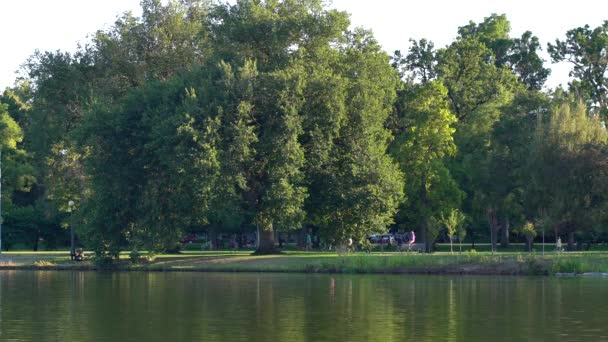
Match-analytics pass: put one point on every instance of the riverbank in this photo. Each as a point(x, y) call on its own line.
point(303, 262)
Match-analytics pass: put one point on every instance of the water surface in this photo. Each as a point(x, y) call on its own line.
point(130, 306)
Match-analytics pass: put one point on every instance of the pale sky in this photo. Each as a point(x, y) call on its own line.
point(27, 25)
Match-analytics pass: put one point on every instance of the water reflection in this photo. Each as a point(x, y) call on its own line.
point(69, 306)
point(332, 290)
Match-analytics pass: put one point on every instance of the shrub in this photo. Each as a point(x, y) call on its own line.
point(135, 257)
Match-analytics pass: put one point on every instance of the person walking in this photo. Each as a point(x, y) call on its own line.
point(308, 241)
point(412, 240)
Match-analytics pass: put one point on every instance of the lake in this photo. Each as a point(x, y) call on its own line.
point(132, 306)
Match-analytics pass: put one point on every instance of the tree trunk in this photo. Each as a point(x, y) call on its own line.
point(301, 237)
point(266, 240)
point(37, 238)
point(494, 227)
point(428, 245)
point(504, 243)
point(571, 241)
point(529, 239)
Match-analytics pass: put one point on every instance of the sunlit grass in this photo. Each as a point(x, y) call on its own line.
point(300, 261)
point(44, 263)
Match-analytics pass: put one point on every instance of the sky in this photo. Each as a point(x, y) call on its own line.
point(49, 25)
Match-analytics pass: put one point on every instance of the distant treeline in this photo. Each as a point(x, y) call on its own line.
point(274, 115)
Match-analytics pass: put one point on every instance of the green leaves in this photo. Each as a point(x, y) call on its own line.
point(585, 49)
point(273, 115)
point(424, 138)
point(566, 167)
point(358, 190)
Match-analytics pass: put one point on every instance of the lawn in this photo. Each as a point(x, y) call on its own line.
point(512, 263)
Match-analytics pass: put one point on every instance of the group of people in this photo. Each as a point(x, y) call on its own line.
point(408, 239)
point(403, 241)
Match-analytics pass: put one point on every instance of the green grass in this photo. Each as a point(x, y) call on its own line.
point(519, 263)
point(465, 263)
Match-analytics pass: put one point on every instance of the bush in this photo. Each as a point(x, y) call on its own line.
point(536, 266)
point(569, 265)
point(175, 249)
point(103, 261)
point(365, 246)
point(135, 257)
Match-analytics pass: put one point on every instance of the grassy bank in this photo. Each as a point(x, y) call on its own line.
point(438, 263)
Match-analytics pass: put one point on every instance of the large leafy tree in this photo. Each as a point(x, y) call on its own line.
point(526, 63)
point(167, 39)
point(360, 187)
point(419, 63)
point(517, 54)
point(512, 139)
point(494, 143)
point(17, 175)
point(67, 88)
point(493, 32)
point(225, 145)
point(480, 71)
point(152, 164)
point(477, 90)
point(270, 39)
point(335, 103)
point(566, 164)
point(424, 138)
point(586, 49)
point(16, 170)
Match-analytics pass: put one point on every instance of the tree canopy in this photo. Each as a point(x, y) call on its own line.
point(276, 117)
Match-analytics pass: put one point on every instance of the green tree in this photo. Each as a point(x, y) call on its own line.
point(61, 95)
point(461, 232)
point(453, 224)
point(566, 143)
point(424, 137)
point(361, 185)
point(526, 63)
point(585, 49)
point(517, 54)
point(17, 175)
point(478, 90)
point(167, 39)
point(419, 63)
point(529, 231)
point(251, 112)
point(274, 190)
point(67, 88)
point(493, 33)
point(505, 179)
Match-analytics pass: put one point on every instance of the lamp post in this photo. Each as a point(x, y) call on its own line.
point(72, 251)
point(543, 240)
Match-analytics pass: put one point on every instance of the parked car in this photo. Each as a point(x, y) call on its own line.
point(388, 239)
point(375, 238)
point(382, 238)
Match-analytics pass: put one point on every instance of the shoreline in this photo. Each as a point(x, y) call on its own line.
point(517, 264)
point(438, 272)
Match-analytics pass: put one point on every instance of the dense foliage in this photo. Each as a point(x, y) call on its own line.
point(273, 116)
